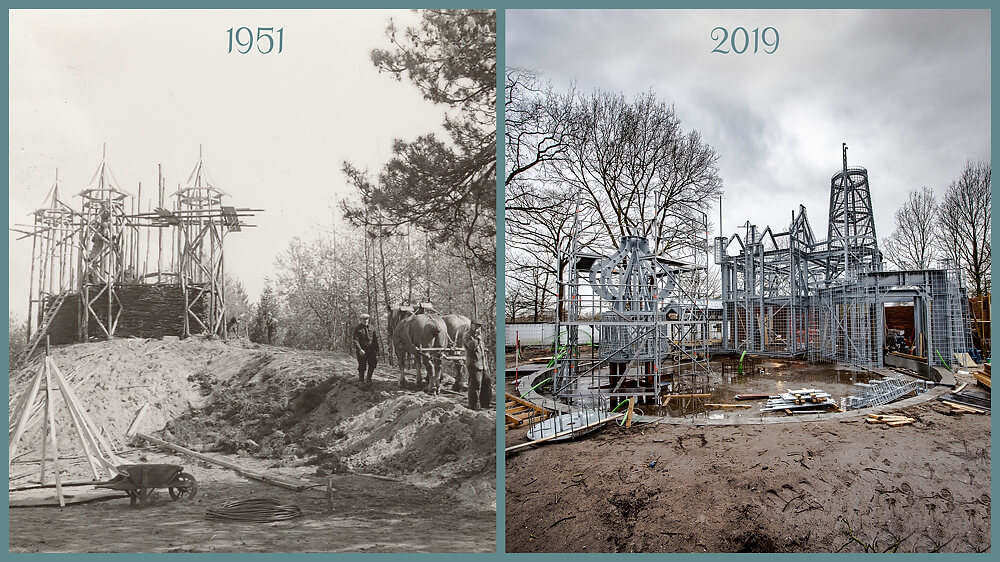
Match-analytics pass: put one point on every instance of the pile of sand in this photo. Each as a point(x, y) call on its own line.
point(298, 407)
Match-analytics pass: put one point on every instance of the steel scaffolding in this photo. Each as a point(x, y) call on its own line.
point(649, 309)
point(789, 294)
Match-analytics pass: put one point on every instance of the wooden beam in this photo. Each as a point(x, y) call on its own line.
point(279, 482)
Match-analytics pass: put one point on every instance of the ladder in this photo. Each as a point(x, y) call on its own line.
point(50, 314)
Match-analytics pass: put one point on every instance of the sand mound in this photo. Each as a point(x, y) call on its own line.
point(297, 407)
point(430, 437)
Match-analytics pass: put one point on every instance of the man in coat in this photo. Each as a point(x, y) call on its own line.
point(480, 384)
point(367, 348)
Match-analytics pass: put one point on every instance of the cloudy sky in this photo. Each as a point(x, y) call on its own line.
point(154, 85)
point(908, 91)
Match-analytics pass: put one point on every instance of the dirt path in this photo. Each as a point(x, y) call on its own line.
point(816, 487)
point(368, 515)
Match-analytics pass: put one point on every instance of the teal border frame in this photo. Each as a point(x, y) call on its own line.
point(500, 6)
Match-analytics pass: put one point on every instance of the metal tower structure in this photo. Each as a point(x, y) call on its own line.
point(642, 316)
point(789, 294)
point(851, 239)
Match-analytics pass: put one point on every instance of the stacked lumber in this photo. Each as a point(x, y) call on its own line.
point(889, 420)
point(518, 412)
point(958, 408)
point(143, 311)
point(984, 377)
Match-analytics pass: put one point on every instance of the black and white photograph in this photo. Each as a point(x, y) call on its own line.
point(747, 281)
point(252, 280)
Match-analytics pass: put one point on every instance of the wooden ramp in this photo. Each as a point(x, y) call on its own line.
point(519, 411)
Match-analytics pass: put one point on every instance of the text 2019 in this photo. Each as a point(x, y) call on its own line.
point(739, 40)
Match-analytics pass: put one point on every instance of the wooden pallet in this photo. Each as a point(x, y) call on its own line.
point(518, 411)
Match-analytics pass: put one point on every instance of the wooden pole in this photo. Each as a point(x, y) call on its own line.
point(52, 434)
point(149, 233)
point(25, 412)
point(75, 420)
point(225, 464)
point(159, 234)
point(31, 282)
point(45, 440)
point(108, 459)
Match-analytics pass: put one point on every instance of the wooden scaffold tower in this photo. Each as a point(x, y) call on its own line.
point(119, 265)
point(36, 406)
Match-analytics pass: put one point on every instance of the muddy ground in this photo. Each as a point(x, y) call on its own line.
point(827, 486)
point(412, 472)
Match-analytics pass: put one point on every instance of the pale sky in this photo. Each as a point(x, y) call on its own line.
point(908, 91)
point(154, 85)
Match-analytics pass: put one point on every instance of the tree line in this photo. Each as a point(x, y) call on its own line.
point(423, 226)
point(956, 229)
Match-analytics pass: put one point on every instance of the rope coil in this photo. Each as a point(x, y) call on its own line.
point(254, 510)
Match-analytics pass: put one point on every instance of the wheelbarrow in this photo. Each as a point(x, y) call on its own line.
point(139, 480)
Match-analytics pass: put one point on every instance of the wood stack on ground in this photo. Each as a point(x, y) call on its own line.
point(984, 377)
point(519, 411)
point(966, 402)
point(889, 419)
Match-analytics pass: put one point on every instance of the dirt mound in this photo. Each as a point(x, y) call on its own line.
point(432, 437)
point(298, 407)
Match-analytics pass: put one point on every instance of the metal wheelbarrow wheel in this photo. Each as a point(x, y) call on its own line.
point(184, 487)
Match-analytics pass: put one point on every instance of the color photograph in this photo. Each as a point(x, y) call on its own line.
point(747, 281)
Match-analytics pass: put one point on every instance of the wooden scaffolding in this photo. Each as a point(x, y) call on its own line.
point(117, 262)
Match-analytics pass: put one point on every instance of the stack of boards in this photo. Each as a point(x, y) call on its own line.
point(804, 401)
point(889, 419)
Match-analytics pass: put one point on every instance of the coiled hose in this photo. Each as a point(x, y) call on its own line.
point(259, 510)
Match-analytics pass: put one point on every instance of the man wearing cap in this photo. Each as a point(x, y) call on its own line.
point(367, 348)
point(480, 385)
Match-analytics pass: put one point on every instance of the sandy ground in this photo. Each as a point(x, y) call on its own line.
point(827, 486)
point(298, 413)
point(367, 515)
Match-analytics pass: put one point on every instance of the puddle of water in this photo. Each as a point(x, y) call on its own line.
point(772, 376)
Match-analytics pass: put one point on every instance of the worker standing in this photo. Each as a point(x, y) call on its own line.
point(367, 347)
point(480, 384)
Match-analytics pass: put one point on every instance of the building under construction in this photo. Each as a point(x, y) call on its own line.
point(108, 263)
point(788, 293)
point(646, 309)
point(636, 323)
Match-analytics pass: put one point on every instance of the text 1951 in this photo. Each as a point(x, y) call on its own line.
point(740, 40)
point(267, 39)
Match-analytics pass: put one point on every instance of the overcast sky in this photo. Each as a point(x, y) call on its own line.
point(154, 85)
point(908, 91)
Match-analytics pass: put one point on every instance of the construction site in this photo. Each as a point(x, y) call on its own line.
point(817, 401)
point(142, 419)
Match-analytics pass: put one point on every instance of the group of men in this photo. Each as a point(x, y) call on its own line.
point(368, 350)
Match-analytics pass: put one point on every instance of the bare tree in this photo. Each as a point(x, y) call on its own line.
point(538, 125)
point(601, 164)
point(913, 243)
point(965, 224)
point(635, 166)
point(539, 223)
